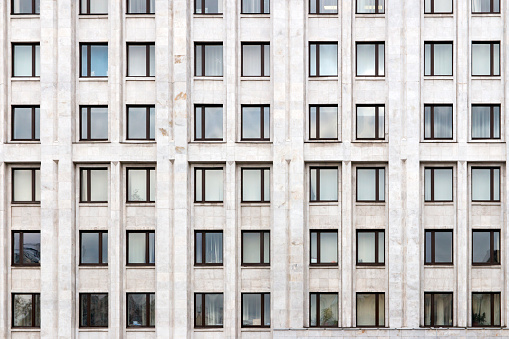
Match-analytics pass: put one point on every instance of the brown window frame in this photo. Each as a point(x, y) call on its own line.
point(318, 169)
point(147, 306)
point(377, 310)
point(89, 59)
point(433, 260)
point(318, 245)
point(432, 121)
point(377, 58)
point(147, 248)
point(88, 9)
point(88, 295)
point(492, 304)
point(89, 200)
point(147, 58)
point(32, 13)
point(492, 261)
point(491, 9)
point(492, 59)
point(262, 182)
point(377, 11)
point(203, 122)
point(262, 310)
point(433, 183)
point(318, 294)
point(492, 119)
point(21, 263)
point(262, 248)
point(262, 8)
point(87, 110)
point(262, 61)
point(202, 295)
point(100, 263)
point(147, 6)
point(202, 46)
point(377, 259)
point(377, 184)
point(317, 57)
point(432, 56)
point(147, 122)
point(32, 107)
point(203, 169)
point(377, 118)
point(148, 169)
point(432, 307)
point(34, 295)
point(432, 6)
point(33, 169)
point(33, 44)
point(492, 183)
point(317, 123)
point(204, 247)
point(203, 6)
point(317, 4)
point(262, 123)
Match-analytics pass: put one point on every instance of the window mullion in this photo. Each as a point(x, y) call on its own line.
point(147, 60)
point(318, 241)
point(491, 50)
point(262, 239)
point(317, 185)
point(21, 254)
point(376, 121)
point(204, 247)
point(317, 122)
point(376, 59)
point(262, 121)
point(376, 247)
point(432, 56)
point(377, 183)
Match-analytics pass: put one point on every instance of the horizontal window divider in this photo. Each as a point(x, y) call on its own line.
point(205, 15)
point(375, 15)
point(209, 203)
point(439, 15)
point(370, 266)
point(93, 79)
point(370, 78)
point(448, 265)
point(209, 329)
point(486, 77)
point(255, 78)
point(143, 203)
point(255, 204)
point(94, 329)
point(139, 267)
point(439, 77)
point(212, 266)
point(93, 16)
point(38, 79)
point(324, 78)
point(141, 329)
point(256, 15)
point(140, 15)
point(134, 78)
point(208, 78)
point(93, 266)
point(24, 16)
point(369, 203)
point(256, 266)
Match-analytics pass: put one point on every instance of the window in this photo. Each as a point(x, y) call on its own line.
point(94, 60)
point(208, 248)
point(26, 123)
point(93, 184)
point(208, 122)
point(94, 7)
point(208, 6)
point(371, 184)
point(437, 6)
point(370, 7)
point(141, 122)
point(323, 122)
point(26, 185)
point(485, 58)
point(255, 184)
point(485, 121)
point(438, 309)
point(485, 309)
point(485, 247)
point(141, 184)
point(323, 59)
point(26, 60)
point(370, 309)
point(26, 248)
point(438, 122)
point(140, 6)
point(93, 248)
point(26, 6)
point(485, 184)
point(93, 123)
point(370, 59)
point(324, 184)
point(255, 248)
point(485, 6)
point(255, 59)
point(141, 59)
point(370, 122)
point(438, 58)
point(255, 123)
point(255, 309)
point(93, 309)
point(208, 310)
point(323, 6)
point(324, 247)
point(255, 7)
point(141, 310)
point(208, 185)
point(26, 310)
point(370, 248)
point(438, 247)
point(140, 248)
point(208, 59)
point(438, 184)
point(323, 310)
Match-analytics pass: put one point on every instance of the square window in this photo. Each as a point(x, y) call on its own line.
point(93, 7)
point(255, 7)
point(141, 59)
point(485, 58)
point(208, 59)
point(26, 6)
point(323, 59)
point(324, 247)
point(255, 184)
point(485, 6)
point(208, 310)
point(208, 184)
point(141, 309)
point(208, 6)
point(370, 184)
point(323, 310)
point(370, 248)
point(324, 184)
point(438, 247)
point(485, 309)
point(323, 6)
point(26, 310)
point(437, 6)
point(438, 58)
point(26, 185)
point(93, 184)
point(370, 122)
point(26, 248)
point(370, 309)
point(323, 122)
point(370, 7)
point(140, 248)
point(370, 59)
point(255, 309)
point(255, 123)
point(141, 184)
point(208, 248)
point(486, 247)
point(94, 248)
point(140, 6)
point(26, 122)
point(255, 59)
point(438, 184)
point(93, 123)
point(438, 309)
point(485, 121)
point(141, 122)
point(485, 183)
point(255, 248)
point(208, 122)
point(93, 310)
point(26, 60)
point(438, 122)
point(94, 60)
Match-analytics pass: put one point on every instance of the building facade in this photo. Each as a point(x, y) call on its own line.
point(253, 169)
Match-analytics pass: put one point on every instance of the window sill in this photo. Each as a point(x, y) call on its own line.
point(247, 329)
point(486, 203)
point(439, 15)
point(140, 204)
point(93, 16)
point(208, 78)
point(25, 16)
point(369, 78)
point(365, 15)
point(323, 266)
point(323, 78)
point(25, 329)
point(254, 267)
point(255, 204)
point(221, 204)
point(256, 15)
point(211, 329)
point(93, 79)
point(205, 15)
point(438, 77)
point(490, 267)
point(374, 141)
point(323, 15)
point(444, 266)
point(93, 267)
point(141, 78)
point(140, 267)
point(323, 203)
point(438, 141)
point(139, 142)
point(214, 267)
point(140, 329)
point(92, 142)
point(370, 267)
point(204, 142)
point(488, 141)
point(486, 77)
point(439, 203)
point(254, 142)
point(99, 329)
point(480, 15)
point(369, 203)
point(38, 79)
point(25, 204)
point(140, 15)
point(30, 267)
point(93, 204)
point(244, 78)
point(26, 142)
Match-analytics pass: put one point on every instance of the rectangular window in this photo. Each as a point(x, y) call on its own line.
point(324, 184)
point(26, 185)
point(255, 248)
point(370, 248)
point(485, 183)
point(323, 122)
point(370, 184)
point(141, 121)
point(26, 61)
point(370, 309)
point(93, 310)
point(370, 122)
point(255, 123)
point(438, 122)
point(140, 6)
point(93, 184)
point(208, 60)
point(485, 309)
point(141, 184)
point(323, 310)
point(438, 184)
point(140, 248)
point(93, 7)
point(94, 60)
point(485, 6)
point(94, 248)
point(141, 59)
point(370, 7)
point(26, 248)
point(208, 248)
point(438, 58)
point(208, 6)
point(255, 184)
point(26, 6)
point(324, 247)
point(255, 59)
point(255, 7)
point(93, 123)
point(485, 121)
point(208, 310)
point(438, 309)
point(438, 6)
point(486, 247)
point(485, 58)
point(141, 309)
point(438, 247)
point(323, 6)
point(26, 310)
point(370, 59)
point(208, 185)
point(208, 122)
point(26, 122)
point(255, 309)
point(323, 59)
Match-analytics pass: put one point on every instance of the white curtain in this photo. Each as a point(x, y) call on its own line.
point(329, 122)
point(22, 185)
point(37, 60)
point(151, 248)
point(266, 122)
point(443, 247)
point(213, 309)
point(137, 117)
point(328, 309)
point(381, 59)
point(105, 248)
point(37, 123)
point(213, 122)
point(137, 248)
point(137, 63)
point(251, 310)
point(213, 248)
point(99, 185)
point(481, 64)
point(213, 6)
point(328, 6)
point(366, 6)
point(481, 247)
point(252, 60)
point(427, 309)
point(481, 117)
point(328, 184)
point(328, 59)
point(312, 59)
point(366, 122)
point(440, 6)
point(152, 188)
point(443, 184)
point(37, 185)
point(313, 190)
point(152, 55)
point(366, 184)
point(214, 185)
point(366, 247)
point(22, 123)
point(442, 116)
point(22, 310)
point(481, 309)
point(251, 247)
point(443, 309)
point(481, 184)
point(381, 247)
point(137, 185)
point(251, 128)
point(251, 182)
point(314, 248)
point(329, 247)
point(427, 59)
point(137, 6)
point(22, 6)
point(99, 60)
point(90, 248)
point(98, 6)
point(481, 6)
point(366, 310)
point(251, 6)
point(443, 59)
point(23, 60)
point(266, 185)
point(98, 122)
point(214, 60)
point(365, 59)
point(266, 60)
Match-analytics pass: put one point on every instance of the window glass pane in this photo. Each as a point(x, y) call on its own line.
point(152, 193)
point(16, 249)
point(443, 184)
point(84, 124)
point(251, 6)
point(151, 247)
point(251, 60)
point(251, 185)
point(22, 7)
point(266, 185)
point(22, 310)
point(22, 121)
point(328, 310)
point(442, 116)
point(496, 122)
point(329, 184)
point(496, 247)
point(366, 122)
point(496, 184)
point(214, 60)
point(428, 247)
point(31, 248)
point(381, 122)
point(312, 305)
point(152, 123)
point(137, 63)
point(22, 185)
point(328, 59)
point(443, 59)
point(313, 185)
point(213, 309)
point(496, 309)
point(481, 64)
point(366, 247)
point(136, 309)
point(381, 59)
point(266, 59)
point(427, 184)
point(365, 59)
point(99, 310)
point(381, 309)
point(481, 186)
point(99, 122)
point(22, 60)
point(152, 296)
point(427, 58)
point(481, 116)
point(443, 6)
point(37, 123)
point(214, 185)
point(37, 185)
point(328, 6)
point(381, 247)
point(481, 6)
point(213, 122)
point(84, 60)
point(312, 58)
point(314, 248)
point(99, 185)
point(98, 7)
point(198, 310)
point(137, 185)
point(481, 247)
point(329, 247)
point(198, 56)
point(152, 56)
point(443, 247)
point(84, 310)
point(105, 248)
point(366, 184)
point(266, 309)
point(98, 60)
point(251, 121)
point(328, 122)
point(427, 122)
point(137, 248)
point(213, 248)
point(381, 184)
point(198, 123)
point(366, 6)
point(496, 59)
point(266, 248)
point(89, 248)
point(198, 246)
point(366, 310)
point(137, 122)
point(251, 247)
point(37, 60)
point(427, 307)
point(137, 6)
point(152, 9)
point(251, 310)
point(266, 122)
point(481, 309)
point(199, 185)
point(213, 6)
